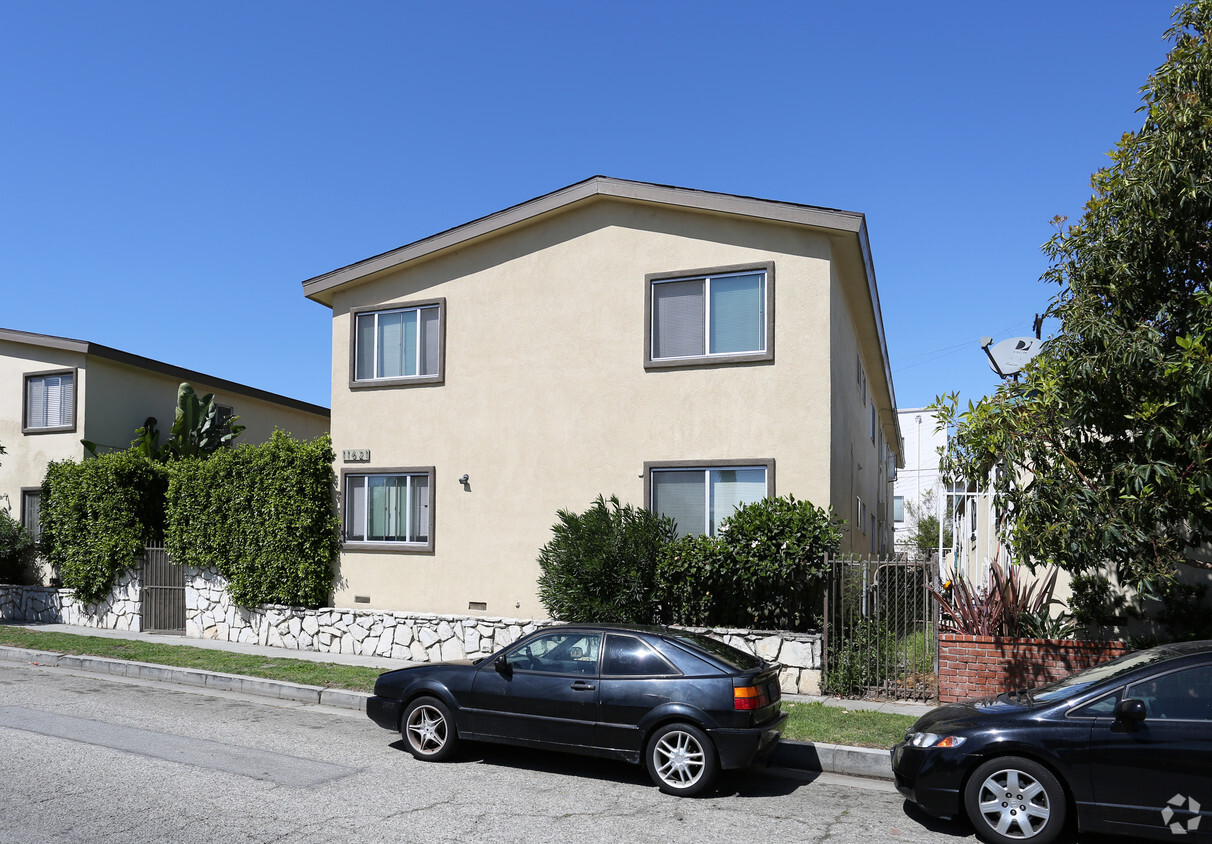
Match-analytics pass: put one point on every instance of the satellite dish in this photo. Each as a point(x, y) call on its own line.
point(1010, 356)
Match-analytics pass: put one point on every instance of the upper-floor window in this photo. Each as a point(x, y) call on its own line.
point(398, 346)
point(704, 317)
point(392, 508)
point(50, 402)
point(700, 498)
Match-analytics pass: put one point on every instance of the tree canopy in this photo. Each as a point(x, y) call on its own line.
point(1100, 451)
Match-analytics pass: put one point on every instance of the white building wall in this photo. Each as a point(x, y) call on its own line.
point(920, 475)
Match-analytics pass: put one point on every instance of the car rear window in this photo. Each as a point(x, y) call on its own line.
point(735, 657)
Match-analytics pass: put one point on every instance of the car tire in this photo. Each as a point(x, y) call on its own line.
point(428, 729)
point(1010, 799)
point(681, 760)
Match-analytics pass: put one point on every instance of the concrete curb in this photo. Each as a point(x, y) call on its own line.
point(800, 755)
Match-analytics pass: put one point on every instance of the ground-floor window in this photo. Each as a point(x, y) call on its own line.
point(390, 507)
point(700, 498)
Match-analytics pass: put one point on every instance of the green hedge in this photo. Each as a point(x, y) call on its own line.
point(264, 515)
point(617, 563)
point(600, 564)
point(764, 571)
point(98, 515)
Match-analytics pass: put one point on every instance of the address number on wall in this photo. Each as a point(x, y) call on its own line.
point(356, 455)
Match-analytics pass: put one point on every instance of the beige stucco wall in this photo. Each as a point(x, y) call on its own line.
point(24, 464)
point(112, 400)
point(546, 402)
point(143, 393)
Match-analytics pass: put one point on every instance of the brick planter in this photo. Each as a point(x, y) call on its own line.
point(979, 666)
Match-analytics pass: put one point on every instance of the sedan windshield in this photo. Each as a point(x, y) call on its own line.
point(1082, 680)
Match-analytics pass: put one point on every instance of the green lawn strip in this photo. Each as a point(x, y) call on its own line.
point(333, 675)
point(817, 722)
point(807, 722)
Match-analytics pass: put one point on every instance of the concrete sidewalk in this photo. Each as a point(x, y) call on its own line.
point(809, 756)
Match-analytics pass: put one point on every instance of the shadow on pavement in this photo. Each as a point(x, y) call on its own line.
point(754, 782)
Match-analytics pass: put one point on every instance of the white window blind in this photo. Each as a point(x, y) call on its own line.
point(700, 500)
point(50, 401)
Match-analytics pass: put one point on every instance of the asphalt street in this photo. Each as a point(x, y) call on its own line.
point(85, 757)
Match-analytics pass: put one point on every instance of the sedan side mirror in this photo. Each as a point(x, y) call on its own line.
point(1130, 711)
point(501, 666)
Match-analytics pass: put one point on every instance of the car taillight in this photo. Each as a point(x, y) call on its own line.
point(749, 697)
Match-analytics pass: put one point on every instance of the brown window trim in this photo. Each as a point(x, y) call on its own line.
point(394, 547)
point(408, 380)
point(765, 356)
point(766, 463)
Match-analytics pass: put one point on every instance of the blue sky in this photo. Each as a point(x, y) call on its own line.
point(174, 171)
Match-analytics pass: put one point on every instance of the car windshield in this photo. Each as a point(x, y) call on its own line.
point(735, 657)
point(1082, 680)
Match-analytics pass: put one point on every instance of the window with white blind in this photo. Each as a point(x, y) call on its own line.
point(698, 317)
point(701, 498)
point(391, 508)
point(50, 402)
point(398, 346)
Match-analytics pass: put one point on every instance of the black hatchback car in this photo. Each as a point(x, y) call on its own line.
point(685, 705)
point(1124, 747)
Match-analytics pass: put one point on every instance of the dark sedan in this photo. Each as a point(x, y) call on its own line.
point(1124, 747)
point(685, 705)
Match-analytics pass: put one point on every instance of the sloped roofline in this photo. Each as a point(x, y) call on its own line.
point(84, 347)
point(829, 220)
point(596, 186)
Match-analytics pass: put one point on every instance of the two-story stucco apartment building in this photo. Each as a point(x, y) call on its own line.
point(55, 392)
point(684, 350)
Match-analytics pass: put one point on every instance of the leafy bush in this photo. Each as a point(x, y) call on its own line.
point(264, 515)
point(861, 659)
point(18, 556)
point(98, 515)
point(765, 570)
point(600, 564)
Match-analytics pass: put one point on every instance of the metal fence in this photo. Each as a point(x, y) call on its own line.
point(880, 629)
point(162, 592)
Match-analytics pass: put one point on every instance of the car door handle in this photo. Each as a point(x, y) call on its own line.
point(582, 686)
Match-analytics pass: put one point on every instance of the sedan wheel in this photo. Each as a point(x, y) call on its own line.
point(428, 729)
point(681, 760)
point(1013, 799)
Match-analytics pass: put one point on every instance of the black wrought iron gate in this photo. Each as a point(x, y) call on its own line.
point(881, 629)
point(162, 593)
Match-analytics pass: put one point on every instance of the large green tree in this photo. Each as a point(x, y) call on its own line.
point(1100, 452)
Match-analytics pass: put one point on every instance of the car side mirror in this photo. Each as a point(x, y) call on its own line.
point(502, 666)
point(1130, 711)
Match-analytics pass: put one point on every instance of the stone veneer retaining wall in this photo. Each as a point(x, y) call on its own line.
point(980, 666)
point(417, 637)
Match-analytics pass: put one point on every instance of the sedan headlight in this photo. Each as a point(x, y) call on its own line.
point(934, 740)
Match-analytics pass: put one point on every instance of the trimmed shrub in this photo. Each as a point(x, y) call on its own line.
point(600, 564)
point(764, 571)
point(264, 515)
point(97, 516)
point(18, 555)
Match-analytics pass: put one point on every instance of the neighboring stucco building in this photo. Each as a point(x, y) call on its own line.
point(681, 349)
point(918, 482)
point(57, 392)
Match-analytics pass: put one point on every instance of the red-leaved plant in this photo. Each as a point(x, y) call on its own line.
point(1003, 608)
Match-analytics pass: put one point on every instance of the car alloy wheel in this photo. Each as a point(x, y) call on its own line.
point(681, 760)
point(1011, 799)
point(428, 729)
